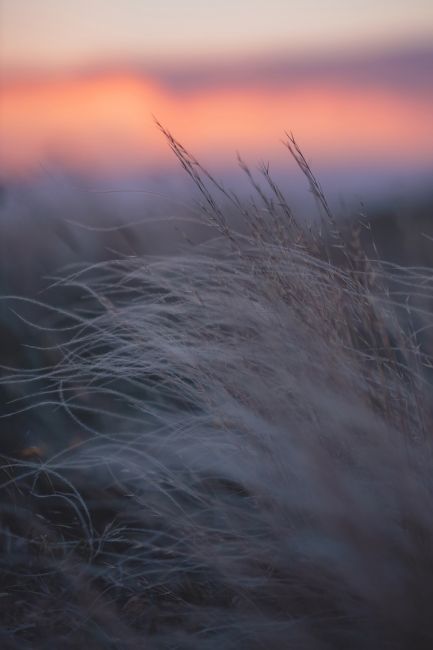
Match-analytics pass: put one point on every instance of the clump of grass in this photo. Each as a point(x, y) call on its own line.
point(252, 459)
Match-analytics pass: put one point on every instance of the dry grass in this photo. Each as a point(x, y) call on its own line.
point(251, 466)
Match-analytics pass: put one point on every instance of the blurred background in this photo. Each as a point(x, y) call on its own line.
point(82, 79)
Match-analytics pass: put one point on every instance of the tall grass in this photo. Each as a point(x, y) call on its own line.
point(251, 458)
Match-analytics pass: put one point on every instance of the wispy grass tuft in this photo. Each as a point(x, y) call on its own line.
point(249, 454)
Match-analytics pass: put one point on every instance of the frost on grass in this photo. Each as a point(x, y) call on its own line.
point(249, 462)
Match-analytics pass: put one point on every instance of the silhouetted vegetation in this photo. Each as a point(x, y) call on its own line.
point(227, 445)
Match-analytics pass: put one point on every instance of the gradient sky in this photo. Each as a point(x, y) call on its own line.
point(352, 79)
point(50, 33)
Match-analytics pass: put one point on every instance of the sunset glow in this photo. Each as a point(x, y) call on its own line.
point(104, 122)
point(81, 81)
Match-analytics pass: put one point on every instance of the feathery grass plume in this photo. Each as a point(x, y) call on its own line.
point(252, 462)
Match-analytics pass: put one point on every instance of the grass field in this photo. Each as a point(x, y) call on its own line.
point(224, 446)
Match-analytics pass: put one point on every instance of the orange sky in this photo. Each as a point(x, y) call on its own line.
point(103, 122)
